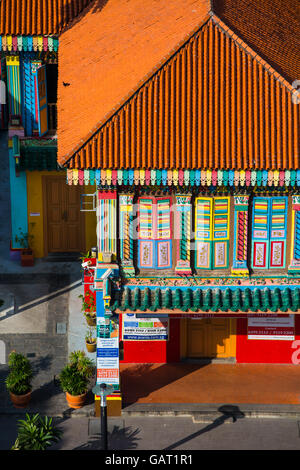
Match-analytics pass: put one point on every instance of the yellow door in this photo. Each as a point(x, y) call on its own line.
point(211, 337)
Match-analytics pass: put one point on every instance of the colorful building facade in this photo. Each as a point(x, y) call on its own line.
point(189, 138)
point(29, 74)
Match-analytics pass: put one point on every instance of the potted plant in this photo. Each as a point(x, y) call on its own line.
point(36, 433)
point(91, 340)
point(18, 381)
point(89, 307)
point(74, 378)
point(25, 240)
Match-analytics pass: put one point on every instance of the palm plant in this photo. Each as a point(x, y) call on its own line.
point(34, 433)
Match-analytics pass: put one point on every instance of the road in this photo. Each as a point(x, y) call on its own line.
point(169, 434)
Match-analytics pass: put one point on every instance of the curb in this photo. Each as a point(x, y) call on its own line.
point(207, 412)
point(200, 413)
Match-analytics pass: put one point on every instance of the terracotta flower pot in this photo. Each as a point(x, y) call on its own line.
point(76, 401)
point(20, 401)
point(27, 258)
point(91, 347)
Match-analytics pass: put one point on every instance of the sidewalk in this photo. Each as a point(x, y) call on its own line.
point(257, 391)
point(268, 384)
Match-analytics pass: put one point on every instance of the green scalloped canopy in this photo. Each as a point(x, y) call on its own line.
point(207, 300)
point(38, 157)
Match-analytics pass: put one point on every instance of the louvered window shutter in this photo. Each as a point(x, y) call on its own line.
point(163, 233)
point(221, 210)
point(42, 100)
point(269, 232)
point(295, 245)
point(278, 218)
point(260, 233)
point(146, 248)
point(155, 233)
point(203, 233)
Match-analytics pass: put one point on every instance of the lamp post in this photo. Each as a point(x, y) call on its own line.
point(103, 390)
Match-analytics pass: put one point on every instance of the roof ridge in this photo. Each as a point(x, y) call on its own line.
point(248, 50)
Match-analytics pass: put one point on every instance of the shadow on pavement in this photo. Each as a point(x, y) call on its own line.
point(228, 411)
point(118, 439)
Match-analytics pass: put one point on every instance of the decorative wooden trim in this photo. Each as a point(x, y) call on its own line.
point(10, 43)
point(226, 178)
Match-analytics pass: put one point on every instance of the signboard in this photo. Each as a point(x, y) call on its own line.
point(145, 329)
point(107, 354)
point(277, 327)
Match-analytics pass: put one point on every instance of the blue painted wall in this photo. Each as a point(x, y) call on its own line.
point(18, 192)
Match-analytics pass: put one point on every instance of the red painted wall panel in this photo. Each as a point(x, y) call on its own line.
point(152, 352)
point(265, 351)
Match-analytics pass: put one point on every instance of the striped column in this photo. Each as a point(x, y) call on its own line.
point(106, 225)
point(295, 245)
point(241, 206)
point(126, 233)
point(183, 233)
point(13, 86)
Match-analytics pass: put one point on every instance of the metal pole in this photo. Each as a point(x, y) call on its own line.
point(103, 417)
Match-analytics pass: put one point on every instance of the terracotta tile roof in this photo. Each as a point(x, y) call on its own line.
point(215, 104)
point(38, 17)
point(110, 53)
point(271, 27)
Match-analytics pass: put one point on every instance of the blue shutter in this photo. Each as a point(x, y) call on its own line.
point(42, 100)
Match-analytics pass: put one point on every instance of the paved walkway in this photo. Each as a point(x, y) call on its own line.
point(211, 383)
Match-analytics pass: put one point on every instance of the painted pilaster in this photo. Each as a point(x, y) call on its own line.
point(35, 65)
point(126, 233)
point(295, 245)
point(14, 88)
point(107, 225)
point(240, 247)
point(183, 233)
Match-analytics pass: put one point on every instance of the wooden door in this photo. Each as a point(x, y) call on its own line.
point(64, 223)
point(211, 338)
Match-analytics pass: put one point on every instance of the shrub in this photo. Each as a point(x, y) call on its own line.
point(74, 377)
point(19, 378)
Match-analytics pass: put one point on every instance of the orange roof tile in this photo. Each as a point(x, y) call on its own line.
point(271, 27)
point(38, 17)
point(212, 105)
point(110, 53)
